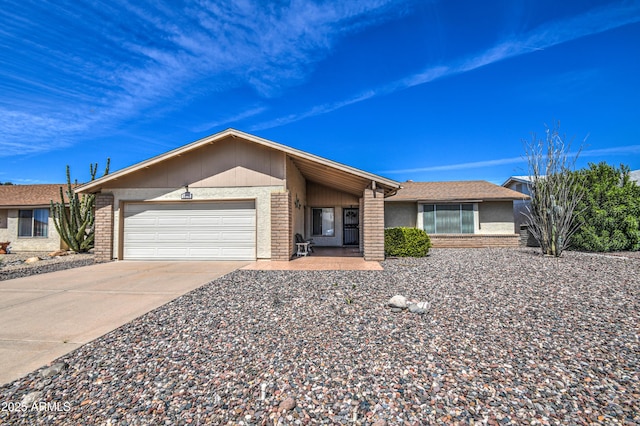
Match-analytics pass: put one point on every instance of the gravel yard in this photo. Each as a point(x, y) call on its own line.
point(511, 338)
point(13, 265)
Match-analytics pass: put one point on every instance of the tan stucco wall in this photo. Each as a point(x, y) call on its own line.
point(400, 214)
point(227, 163)
point(322, 196)
point(261, 195)
point(490, 217)
point(297, 186)
point(10, 233)
point(496, 217)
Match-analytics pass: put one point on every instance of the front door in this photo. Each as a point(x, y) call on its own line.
point(351, 227)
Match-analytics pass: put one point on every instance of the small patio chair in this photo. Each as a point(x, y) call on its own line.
point(300, 239)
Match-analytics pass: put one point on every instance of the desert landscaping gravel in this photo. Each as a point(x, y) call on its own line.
point(15, 265)
point(511, 337)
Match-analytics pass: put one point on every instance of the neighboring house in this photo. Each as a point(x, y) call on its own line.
point(235, 196)
point(635, 175)
point(25, 217)
point(520, 184)
point(456, 214)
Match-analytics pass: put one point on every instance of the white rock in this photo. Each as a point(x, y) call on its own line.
point(32, 260)
point(398, 301)
point(423, 305)
point(30, 398)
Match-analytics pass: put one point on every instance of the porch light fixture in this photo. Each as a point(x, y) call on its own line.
point(186, 195)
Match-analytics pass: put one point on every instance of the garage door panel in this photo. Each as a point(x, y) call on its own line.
point(205, 221)
point(238, 221)
point(172, 221)
point(142, 221)
point(236, 236)
point(235, 252)
point(204, 236)
point(194, 231)
point(172, 237)
point(135, 253)
point(140, 236)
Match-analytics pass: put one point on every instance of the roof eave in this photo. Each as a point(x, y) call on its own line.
point(95, 186)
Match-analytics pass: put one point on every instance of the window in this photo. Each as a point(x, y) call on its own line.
point(323, 222)
point(33, 223)
point(448, 218)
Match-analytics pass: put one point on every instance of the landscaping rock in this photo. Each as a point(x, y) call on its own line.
point(13, 265)
point(32, 260)
point(288, 404)
point(398, 301)
point(424, 305)
point(28, 400)
point(54, 369)
point(511, 338)
point(415, 309)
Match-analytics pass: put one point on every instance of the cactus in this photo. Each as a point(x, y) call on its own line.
point(75, 223)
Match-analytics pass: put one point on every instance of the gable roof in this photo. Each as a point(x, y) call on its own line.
point(15, 196)
point(517, 179)
point(311, 166)
point(635, 175)
point(458, 191)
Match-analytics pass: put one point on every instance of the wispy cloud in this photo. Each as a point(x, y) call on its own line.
point(230, 119)
point(132, 58)
point(617, 150)
point(459, 166)
point(549, 35)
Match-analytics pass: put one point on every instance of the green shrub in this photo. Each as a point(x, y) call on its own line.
point(406, 242)
point(609, 212)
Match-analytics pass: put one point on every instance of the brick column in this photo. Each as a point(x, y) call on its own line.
point(103, 243)
point(373, 225)
point(281, 233)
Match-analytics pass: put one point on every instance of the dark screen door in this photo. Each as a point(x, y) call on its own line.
point(351, 227)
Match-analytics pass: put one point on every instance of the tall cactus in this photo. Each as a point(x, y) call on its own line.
point(75, 223)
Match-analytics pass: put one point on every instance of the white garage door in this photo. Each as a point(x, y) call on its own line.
point(190, 231)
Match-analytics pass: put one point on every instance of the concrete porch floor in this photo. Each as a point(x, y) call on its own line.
point(322, 259)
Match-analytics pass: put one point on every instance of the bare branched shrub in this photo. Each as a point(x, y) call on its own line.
point(553, 190)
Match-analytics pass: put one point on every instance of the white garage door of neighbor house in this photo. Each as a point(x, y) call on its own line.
point(190, 231)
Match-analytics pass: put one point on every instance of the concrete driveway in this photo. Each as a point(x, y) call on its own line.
point(43, 317)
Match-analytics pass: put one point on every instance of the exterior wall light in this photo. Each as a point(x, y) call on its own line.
point(186, 195)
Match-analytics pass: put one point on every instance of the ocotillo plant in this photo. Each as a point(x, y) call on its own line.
point(75, 223)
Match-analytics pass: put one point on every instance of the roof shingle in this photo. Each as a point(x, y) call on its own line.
point(30, 195)
point(475, 190)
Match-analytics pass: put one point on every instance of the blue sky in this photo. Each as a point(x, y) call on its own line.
point(422, 90)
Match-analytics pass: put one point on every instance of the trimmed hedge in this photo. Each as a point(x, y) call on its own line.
point(406, 242)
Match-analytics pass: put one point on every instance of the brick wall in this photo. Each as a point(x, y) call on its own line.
point(474, 241)
point(281, 223)
point(373, 224)
point(103, 244)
